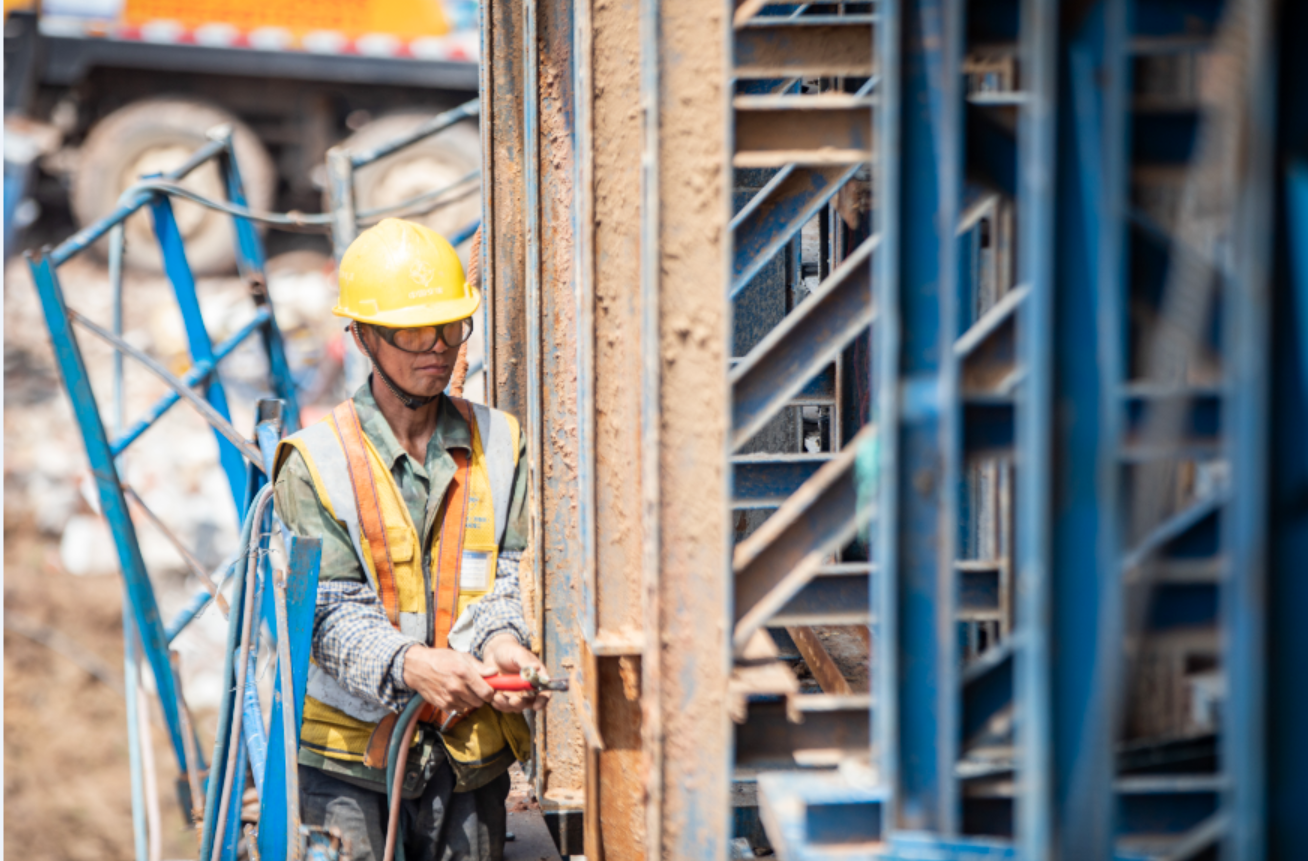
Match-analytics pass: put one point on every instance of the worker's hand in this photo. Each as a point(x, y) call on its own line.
point(507, 656)
point(450, 680)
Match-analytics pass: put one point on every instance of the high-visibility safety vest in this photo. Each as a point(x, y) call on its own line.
point(426, 585)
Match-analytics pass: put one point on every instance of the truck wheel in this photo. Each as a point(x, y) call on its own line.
point(432, 164)
point(155, 136)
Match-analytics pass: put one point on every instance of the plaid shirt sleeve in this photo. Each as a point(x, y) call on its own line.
point(356, 644)
point(501, 611)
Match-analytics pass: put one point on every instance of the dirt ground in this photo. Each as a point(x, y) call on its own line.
point(66, 780)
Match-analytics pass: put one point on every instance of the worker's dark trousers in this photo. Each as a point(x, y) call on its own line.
point(439, 825)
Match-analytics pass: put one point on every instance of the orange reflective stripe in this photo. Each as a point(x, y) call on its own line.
point(347, 425)
point(453, 528)
point(446, 588)
point(449, 557)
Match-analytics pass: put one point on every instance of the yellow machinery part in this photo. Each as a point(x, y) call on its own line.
point(405, 20)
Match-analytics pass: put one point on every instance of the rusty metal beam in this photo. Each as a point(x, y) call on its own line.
point(528, 277)
point(503, 207)
point(619, 374)
point(768, 48)
point(819, 660)
point(609, 367)
point(686, 70)
point(774, 131)
point(553, 337)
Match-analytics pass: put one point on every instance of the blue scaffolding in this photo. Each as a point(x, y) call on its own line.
point(1120, 372)
point(288, 595)
point(280, 602)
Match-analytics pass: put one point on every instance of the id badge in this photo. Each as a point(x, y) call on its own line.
point(475, 571)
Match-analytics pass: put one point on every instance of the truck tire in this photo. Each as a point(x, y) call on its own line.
point(154, 136)
point(434, 163)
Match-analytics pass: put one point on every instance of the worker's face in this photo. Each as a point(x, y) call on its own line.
point(422, 374)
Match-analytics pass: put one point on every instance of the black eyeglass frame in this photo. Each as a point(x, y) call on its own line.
point(388, 334)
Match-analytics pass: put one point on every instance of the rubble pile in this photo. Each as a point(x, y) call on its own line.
point(173, 467)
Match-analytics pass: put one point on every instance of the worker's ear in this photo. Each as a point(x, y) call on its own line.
point(356, 329)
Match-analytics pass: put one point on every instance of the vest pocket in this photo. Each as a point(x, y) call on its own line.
point(400, 541)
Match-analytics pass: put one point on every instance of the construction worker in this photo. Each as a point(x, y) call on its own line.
point(420, 501)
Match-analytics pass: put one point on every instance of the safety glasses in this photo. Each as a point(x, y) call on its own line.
point(422, 339)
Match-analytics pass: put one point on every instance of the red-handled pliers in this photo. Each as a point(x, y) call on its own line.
point(520, 683)
point(531, 679)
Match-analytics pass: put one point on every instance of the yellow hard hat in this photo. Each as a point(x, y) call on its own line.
point(400, 274)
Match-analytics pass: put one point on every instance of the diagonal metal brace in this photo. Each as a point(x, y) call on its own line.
point(206, 410)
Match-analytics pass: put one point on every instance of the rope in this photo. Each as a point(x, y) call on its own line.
point(303, 222)
point(298, 222)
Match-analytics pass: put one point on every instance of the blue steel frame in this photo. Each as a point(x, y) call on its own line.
point(292, 595)
point(806, 563)
point(1075, 414)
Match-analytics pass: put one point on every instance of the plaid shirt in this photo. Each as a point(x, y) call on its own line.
point(355, 643)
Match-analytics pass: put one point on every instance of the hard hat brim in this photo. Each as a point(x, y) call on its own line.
point(430, 315)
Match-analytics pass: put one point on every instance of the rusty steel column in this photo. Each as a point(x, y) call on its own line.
point(685, 254)
point(609, 139)
point(527, 192)
point(607, 204)
point(503, 224)
point(554, 338)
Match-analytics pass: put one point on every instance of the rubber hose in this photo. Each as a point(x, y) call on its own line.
point(215, 788)
point(397, 758)
point(234, 739)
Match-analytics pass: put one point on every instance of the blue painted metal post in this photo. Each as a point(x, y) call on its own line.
point(227, 708)
point(268, 432)
point(256, 740)
point(250, 261)
point(1287, 587)
point(279, 802)
point(112, 502)
point(1296, 188)
point(884, 589)
point(179, 273)
point(1069, 665)
point(1037, 136)
point(917, 410)
point(231, 836)
point(1246, 538)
